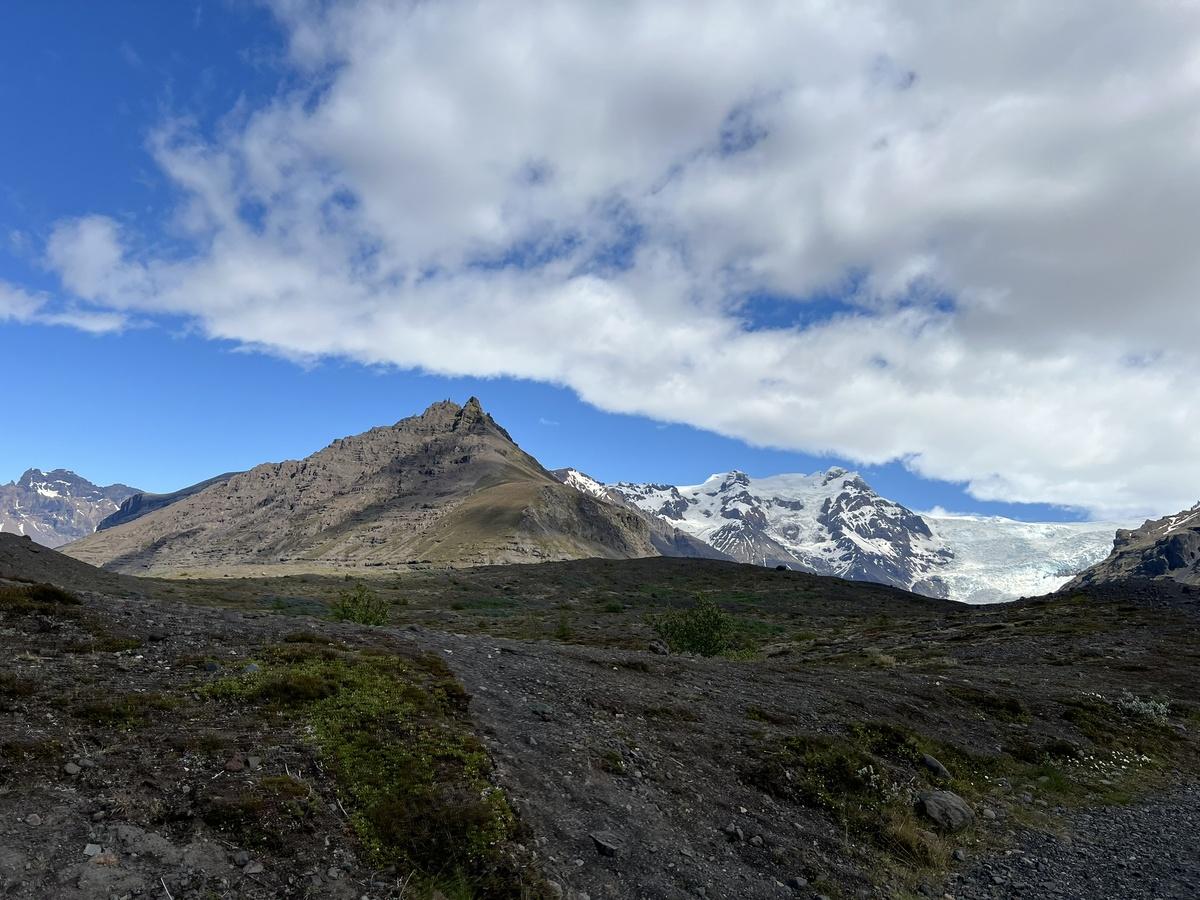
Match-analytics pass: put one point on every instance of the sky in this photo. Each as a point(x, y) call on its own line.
point(948, 245)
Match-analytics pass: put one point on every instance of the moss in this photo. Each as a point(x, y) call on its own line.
point(37, 599)
point(394, 733)
point(758, 714)
point(12, 686)
point(206, 742)
point(610, 761)
point(304, 637)
point(31, 750)
point(1108, 728)
point(104, 643)
point(122, 711)
point(992, 704)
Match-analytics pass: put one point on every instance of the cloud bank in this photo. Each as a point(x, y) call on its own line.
point(981, 220)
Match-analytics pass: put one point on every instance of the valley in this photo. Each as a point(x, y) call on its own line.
point(632, 766)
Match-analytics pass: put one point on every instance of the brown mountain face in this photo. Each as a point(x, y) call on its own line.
point(1165, 548)
point(448, 486)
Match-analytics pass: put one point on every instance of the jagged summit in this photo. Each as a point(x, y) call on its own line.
point(447, 485)
point(57, 506)
point(448, 416)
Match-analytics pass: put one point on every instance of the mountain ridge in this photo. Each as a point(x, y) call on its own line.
point(1166, 548)
point(447, 486)
point(834, 523)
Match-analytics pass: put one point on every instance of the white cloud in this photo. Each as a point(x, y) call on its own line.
point(1016, 181)
point(20, 306)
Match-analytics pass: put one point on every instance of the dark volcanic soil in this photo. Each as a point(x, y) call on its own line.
point(1068, 725)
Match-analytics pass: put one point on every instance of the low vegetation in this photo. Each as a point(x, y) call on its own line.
point(704, 629)
point(362, 605)
point(32, 599)
point(395, 734)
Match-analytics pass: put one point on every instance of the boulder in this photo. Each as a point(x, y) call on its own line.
point(946, 810)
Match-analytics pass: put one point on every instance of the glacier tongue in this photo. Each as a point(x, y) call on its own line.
point(997, 559)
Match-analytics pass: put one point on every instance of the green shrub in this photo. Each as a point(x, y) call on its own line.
point(362, 605)
point(705, 629)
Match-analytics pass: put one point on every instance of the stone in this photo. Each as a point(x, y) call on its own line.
point(797, 882)
point(253, 867)
point(72, 769)
point(252, 669)
point(945, 809)
point(34, 819)
point(211, 666)
point(960, 854)
point(241, 858)
point(235, 764)
point(92, 850)
point(756, 841)
point(659, 648)
point(255, 762)
point(989, 814)
point(606, 843)
point(934, 765)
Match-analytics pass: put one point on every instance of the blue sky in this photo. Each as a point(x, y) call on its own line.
point(538, 220)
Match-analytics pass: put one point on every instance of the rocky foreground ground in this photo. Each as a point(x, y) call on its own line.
point(510, 732)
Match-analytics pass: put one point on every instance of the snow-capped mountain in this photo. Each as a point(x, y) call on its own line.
point(57, 507)
point(830, 523)
point(667, 539)
point(834, 523)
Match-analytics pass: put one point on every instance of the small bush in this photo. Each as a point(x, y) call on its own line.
point(362, 605)
point(1143, 708)
point(29, 599)
point(705, 629)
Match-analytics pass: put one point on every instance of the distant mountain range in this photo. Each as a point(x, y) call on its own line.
point(1164, 548)
point(450, 486)
point(57, 507)
point(834, 523)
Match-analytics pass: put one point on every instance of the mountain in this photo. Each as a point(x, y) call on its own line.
point(830, 523)
point(56, 507)
point(834, 523)
point(1167, 548)
point(142, 503)
point(447, 486)
point(666, 538)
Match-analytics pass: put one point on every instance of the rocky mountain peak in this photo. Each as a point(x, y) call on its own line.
point(833, 473)
point(1163, 548)
point(446, 416)
point(58, 506)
